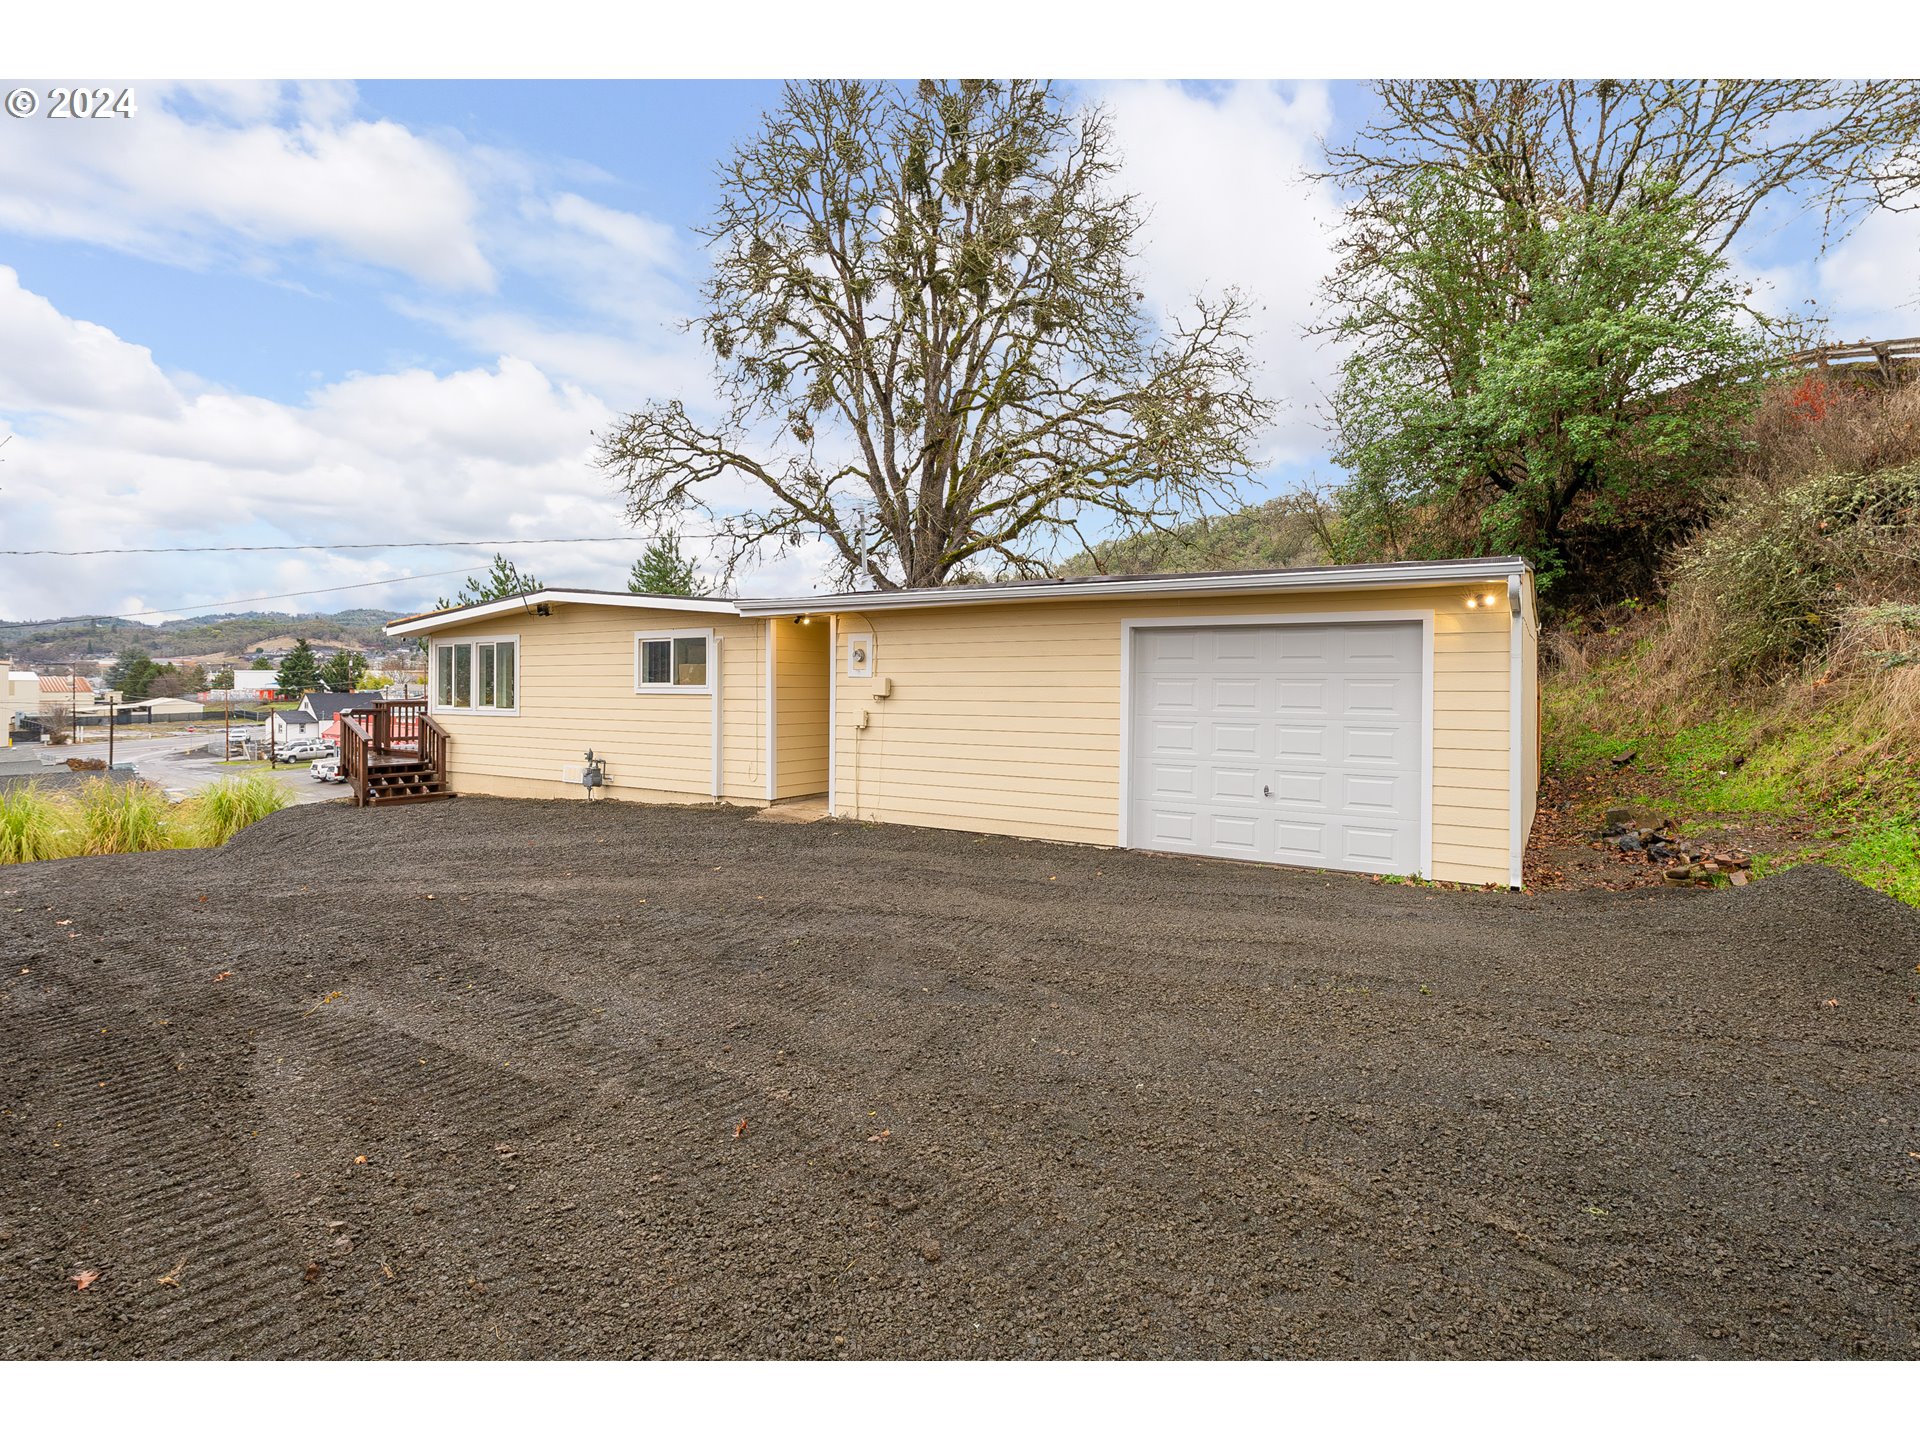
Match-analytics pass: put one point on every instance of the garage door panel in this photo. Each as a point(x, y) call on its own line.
point(1301, 742)
point(1173, 782)
point(1300, 697)
point(1297, 744)
point(1234, 833)
point(1379, 795)
point(1171, 692)
point(1234, 786)
point(1369, 848)
point(1300, 787)
point(1238, 739)
point(1240, 693)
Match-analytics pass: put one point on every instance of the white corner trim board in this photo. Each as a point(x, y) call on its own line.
point(1516, 767)
point(773, 712)
point(1130, 629)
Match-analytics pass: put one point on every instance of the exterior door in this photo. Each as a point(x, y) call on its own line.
point(1297, 744)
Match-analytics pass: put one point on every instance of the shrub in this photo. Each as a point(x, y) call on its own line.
point(121, 819)
point(1772, 578)
point(33, 826)
point(227, 807)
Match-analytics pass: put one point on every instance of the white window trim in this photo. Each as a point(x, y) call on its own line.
point(670, 688)
point(434, 707)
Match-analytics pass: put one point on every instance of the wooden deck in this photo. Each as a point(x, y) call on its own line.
point(393, 753)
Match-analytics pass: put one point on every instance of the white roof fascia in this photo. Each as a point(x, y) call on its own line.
point(440, 619)
point(1337, 577)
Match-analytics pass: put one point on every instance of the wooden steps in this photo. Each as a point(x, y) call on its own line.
point(405, 785)
point(393, 754)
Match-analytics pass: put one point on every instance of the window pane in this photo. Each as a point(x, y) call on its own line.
point(656, 662)
point(462, 676)
point(443, 674)
point(505, 687)
point(486, 675)
point(690, 662)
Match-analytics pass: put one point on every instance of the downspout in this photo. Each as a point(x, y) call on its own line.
point(833, 710)
point(714, 661)
point(773, 713)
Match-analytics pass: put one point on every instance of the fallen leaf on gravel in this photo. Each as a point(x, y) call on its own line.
point(312, 1271)
point(1829, 1002)
point(85, 1278)
point(172, 1277)
point(740, 1129)
point(333, 995)
point(876, 1139)
point(223, 975)
point(359, 1159)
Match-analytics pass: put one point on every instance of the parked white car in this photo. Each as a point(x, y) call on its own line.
point(306, 750)
point(327, 770)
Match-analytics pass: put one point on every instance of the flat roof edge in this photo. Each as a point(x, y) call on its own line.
point(461, 614)
point(1332, 577)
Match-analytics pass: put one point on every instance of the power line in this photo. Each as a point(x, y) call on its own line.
point(360, 545)
point(243, 600)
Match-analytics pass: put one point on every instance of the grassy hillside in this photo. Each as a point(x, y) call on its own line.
point(1775, 688)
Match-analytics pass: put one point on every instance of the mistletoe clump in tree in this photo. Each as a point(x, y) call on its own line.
point(933, 346)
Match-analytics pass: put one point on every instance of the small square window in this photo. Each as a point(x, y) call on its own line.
point(673, 661)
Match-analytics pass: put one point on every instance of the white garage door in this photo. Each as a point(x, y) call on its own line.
point(1292, 743)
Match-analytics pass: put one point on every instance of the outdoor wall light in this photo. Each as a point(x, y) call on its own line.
point(1473, 602)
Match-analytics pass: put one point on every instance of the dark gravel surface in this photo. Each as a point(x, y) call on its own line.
point(475, 1081)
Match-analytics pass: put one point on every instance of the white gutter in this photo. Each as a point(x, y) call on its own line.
point(460, 614)
point(1332, 577)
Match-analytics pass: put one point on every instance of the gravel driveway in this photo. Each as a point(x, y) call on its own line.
point(497, 1079)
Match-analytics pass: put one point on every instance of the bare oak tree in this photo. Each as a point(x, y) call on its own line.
point(933, 347)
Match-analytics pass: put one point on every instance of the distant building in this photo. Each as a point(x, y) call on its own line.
point(310, 719)
point(249, 687)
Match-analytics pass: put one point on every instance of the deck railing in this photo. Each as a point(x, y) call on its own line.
point(388, 732)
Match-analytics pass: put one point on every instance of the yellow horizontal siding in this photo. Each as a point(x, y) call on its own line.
point(1008, 719)
point(577, 692)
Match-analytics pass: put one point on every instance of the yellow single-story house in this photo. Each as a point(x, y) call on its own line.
point(1376, 718)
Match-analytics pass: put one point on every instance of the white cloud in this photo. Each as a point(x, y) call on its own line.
point(211, 173)
point(1220, 171)
point(52, 363)
point(1870, 281)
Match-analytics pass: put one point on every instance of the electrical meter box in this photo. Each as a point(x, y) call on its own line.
point(859, 655)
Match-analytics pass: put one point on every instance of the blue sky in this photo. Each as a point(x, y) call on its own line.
point(273, 314)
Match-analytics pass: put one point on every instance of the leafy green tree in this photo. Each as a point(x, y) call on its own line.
point(299, 672)
point(1490, 401)
point(1571, 363)
point(222, 679)
point(133, 674)
point(343, 670)
point(924, 311)
point(663, 570)
point(504, 581)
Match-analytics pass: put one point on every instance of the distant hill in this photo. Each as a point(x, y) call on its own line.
point(199, 637)
point(1272, 536)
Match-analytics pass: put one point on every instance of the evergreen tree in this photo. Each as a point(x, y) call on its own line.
point(663, 570)
point(133, 674)
point(343, 671)
point(299, 672)
point(502, 582)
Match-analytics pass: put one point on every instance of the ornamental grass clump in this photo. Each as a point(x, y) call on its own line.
point(121, 819)
point(33, 826)
point(225, 808)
